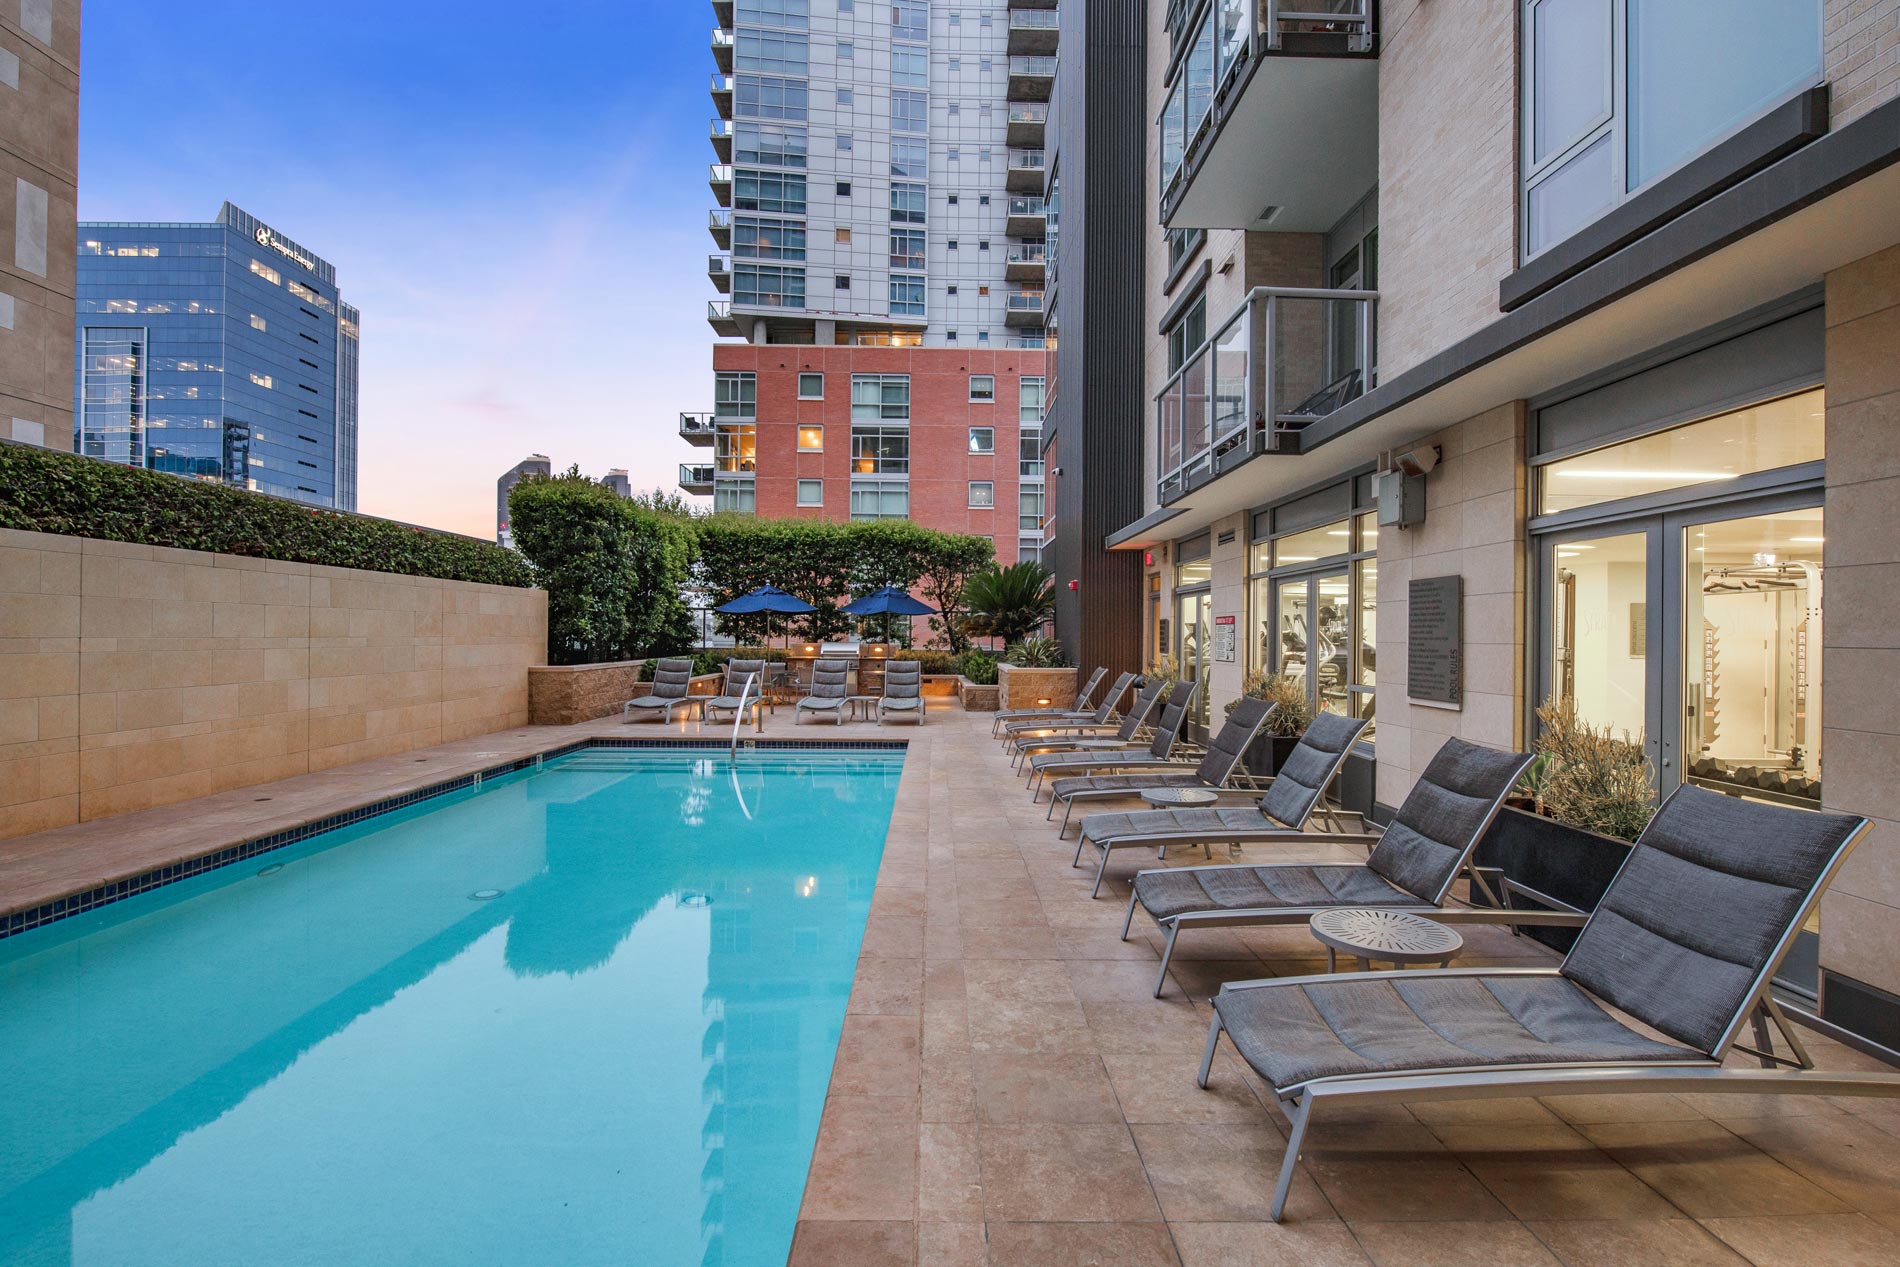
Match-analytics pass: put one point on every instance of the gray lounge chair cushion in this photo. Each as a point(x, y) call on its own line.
point(1146, 701)
point(1130, 783)
point(826, 702)
point(1174, 718)
point(672, 682)
point(1438, 825)
point(1292, 1034)
point(903, 685)
point(1033, 717)
point(1165, 894)
point(1082, 760)
point(1708, 894)
point(1215, 822)
point(1230, 744)
point(1303, 776)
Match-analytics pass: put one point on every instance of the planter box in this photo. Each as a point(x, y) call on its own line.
point(940, 685)
point(706, 684)
point(561, 695)
point(1264, 755)
point(1570, 864)
point(978, 698)
point(1025, 688)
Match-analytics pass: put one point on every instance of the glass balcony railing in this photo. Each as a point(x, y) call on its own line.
point(1283, 360)
point(1029, 112)
point(1028, 254)
point(1025, 207)
point(1024, 301)
point(1035, 20)
point(696, 477)
point(1033, 67)
point(1026, 158)
point(719, 173)
point(697, 427)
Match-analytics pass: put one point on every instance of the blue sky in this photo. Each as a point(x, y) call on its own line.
point(514, 195)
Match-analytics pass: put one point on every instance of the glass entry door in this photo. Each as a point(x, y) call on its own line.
point(1315, 632)
point(1192, 654)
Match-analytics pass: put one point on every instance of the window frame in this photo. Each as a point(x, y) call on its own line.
point(982, 505)
point(988, 451)
point(809, 428)
point(986, 397)
point(805, 374)
point(798, 492)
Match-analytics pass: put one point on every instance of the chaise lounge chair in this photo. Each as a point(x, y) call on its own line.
point(830, 686)
point(733, 689)
point(1686, 941)
point(672, 688)
point(1069, 736)
point(1103, 714)
point(1082, 698)
point(1214, 770)
point(1279, 815)
point(1411, 866)
point(903, 690)
point(1134, 755)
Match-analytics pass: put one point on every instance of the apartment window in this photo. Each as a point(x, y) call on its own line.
point(1183, 243)
point(956, 65)
point(983, 244)
point(788, 13)
point(844, 142)
point(880, 450)
point(754, 238)
point(735, 448)
point(983, 441)
point(811, 492)
point(844, 50)
point(1621, 92)
point(768, 145)
point(738, 496)
point(910, 111)
point(845, 6)
point(953, 154)
point(982, 495)
point(768, 286)
point(842, 281)
point(844, 189)
point(735, 394)
point(880, 397)
point(1029, 392)
point(907, 248)
point(910, 67)
point(811, 437)
point(955, 108)
point(910, 156)
point(811, 387)
point(257, 322)
point(772, 53)
point(1029, 454)
point(769, 97)
point(907, 203)
point(950, 336)
point(952, 244)
point(949, 290)
point(982, 200)
point(775, 192)
point(984, 153)
point(880, 499)
point(1029, 510)
point(985, 65)
point(907, 295)
point(847, 97)
point(983, 388)
point(1187, 334)
point(910, 19)
point(952, 200)
point(841, 236)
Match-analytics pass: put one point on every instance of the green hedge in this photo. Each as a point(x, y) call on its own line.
point(43, 490)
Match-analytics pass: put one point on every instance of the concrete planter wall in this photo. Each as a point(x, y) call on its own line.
point(978, 698)
point(1026, 688)
point(940, 685)
point(560, 695)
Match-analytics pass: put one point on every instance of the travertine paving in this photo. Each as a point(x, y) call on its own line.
point(1007, 1093)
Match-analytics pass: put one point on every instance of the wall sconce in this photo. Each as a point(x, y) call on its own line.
point(1044, 702)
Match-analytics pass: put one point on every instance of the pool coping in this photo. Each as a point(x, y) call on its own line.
point(23, 917)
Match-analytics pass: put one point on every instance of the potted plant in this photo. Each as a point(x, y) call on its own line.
point(1285, 724)
point(1566, 829)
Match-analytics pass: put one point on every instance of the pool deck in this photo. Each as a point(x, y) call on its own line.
point(1007, 1094)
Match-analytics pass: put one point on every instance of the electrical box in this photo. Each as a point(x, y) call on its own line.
point(1401, 499)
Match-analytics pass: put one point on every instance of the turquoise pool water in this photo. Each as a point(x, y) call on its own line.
point(585, 1014)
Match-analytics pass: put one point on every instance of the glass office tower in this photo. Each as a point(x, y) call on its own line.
point(219, 352)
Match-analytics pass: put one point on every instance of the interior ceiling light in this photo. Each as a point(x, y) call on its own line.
point(1694, 476)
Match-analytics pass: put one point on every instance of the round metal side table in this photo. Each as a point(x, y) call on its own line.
point(1395, 937)
point(1179, 797)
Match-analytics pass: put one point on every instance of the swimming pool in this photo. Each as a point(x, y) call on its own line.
point(582, 1014)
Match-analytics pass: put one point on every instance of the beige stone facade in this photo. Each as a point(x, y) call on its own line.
point(1861, 52)
point(134, 676)
point(39, 211)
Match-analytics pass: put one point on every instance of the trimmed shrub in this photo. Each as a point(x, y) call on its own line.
point(978, 666)
point(613, 569)
point(933, 661)
point(43, 490)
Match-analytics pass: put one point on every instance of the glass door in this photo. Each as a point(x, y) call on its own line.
point(1315, 630)
point(1602, 620)
point(1192, 655)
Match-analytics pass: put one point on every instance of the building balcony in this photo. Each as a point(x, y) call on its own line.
point(1034, 32)
point(719, 178)
point(1026, 263)
point(1027, 172)
point(722, 42)
point(722, 95)
point(1028, 123)
point(1023, 308)
point(1026, 218)
point(696, 477)
point(1283, 359)
point(1273, 120)
point(697, 429)
point(722, 13)
point(721, 134)
point(719, 224)
point(719, 268)
point(1031, 78)
point(719, 317)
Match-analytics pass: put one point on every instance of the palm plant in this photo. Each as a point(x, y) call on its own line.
point(1009, 603)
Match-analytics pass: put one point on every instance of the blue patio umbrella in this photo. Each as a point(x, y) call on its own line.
point(767, 599)
point(887, 602)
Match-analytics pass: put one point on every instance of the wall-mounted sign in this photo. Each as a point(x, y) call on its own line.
point(266, 238)
point(1224, 638)
point(1435, 654)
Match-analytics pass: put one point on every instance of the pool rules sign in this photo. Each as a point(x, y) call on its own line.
point(1435, 654)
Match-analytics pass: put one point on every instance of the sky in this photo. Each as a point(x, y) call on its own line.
point(514, 195)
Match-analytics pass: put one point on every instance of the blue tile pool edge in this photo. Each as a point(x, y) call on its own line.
point(21, 921)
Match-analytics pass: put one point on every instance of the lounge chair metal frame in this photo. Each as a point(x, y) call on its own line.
point(835, 677)
point(1131, 729)
point(1082, 698)
point(669, 672)
point(1107, 713)
point(905, 675)
point(1157, 753)
point(1217, 770)
point(1700, 1073)
point(1272, 829)
point(737, 673)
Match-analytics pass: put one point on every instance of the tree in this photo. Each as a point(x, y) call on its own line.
point(951, 561)
point(1010, 603)
point(613, 568)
